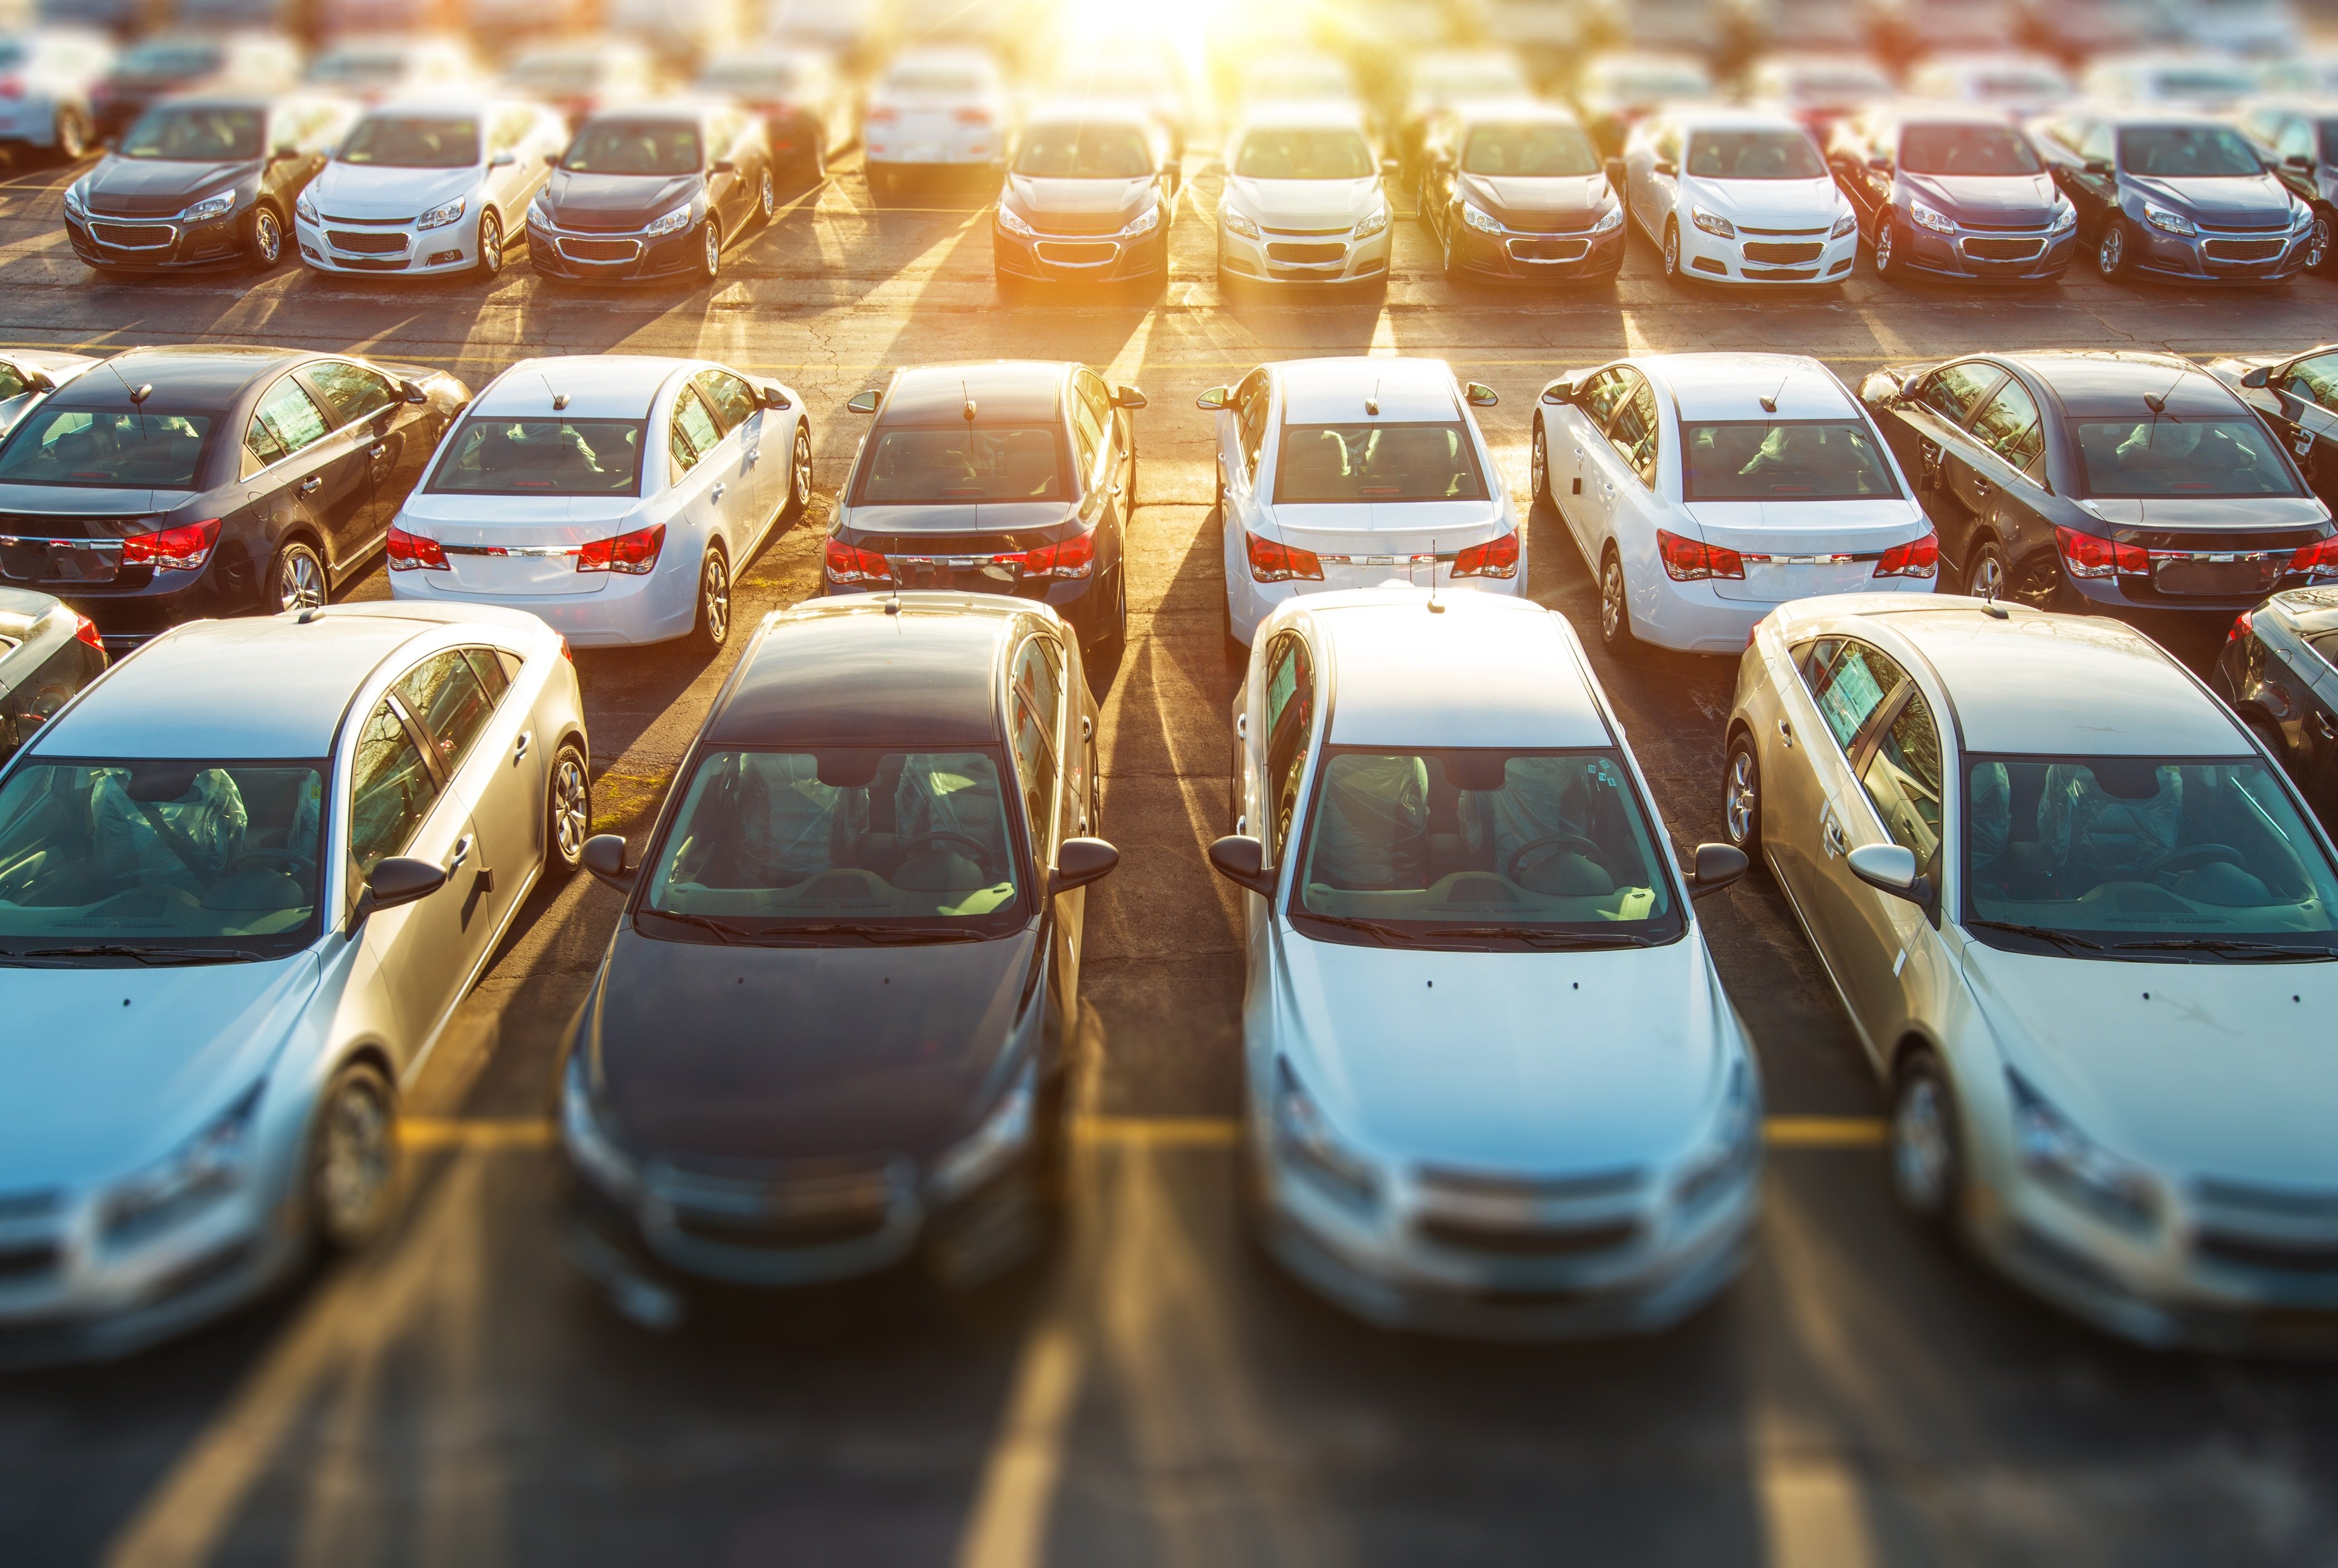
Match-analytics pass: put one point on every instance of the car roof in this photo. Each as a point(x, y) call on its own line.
point(1098, 111)
point(1482, 672)
point(1724, 386)
point(1000, 389)
point(193, 375)
point(1319, 391)
point(1696, 117)
point(597, 386)
point(845, 671)
point(2110, 383)
point(1323, 113)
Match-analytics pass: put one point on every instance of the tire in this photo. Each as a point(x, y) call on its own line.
point(1539, 471)
point(2113, 250)
point(2037, 581)
point(710, 257)
point(490, 264)
point(2318, 257)
point(1741, 806)
point(351, 1177)
point(1672, 257)
point(72, 145)
point(1925, 1142)
point(2269, 736)
point(1452, 273)
point(1614, 605)
point(1886, 227)
point(1986, 577)
point(264, 246)
point(767, 200)
point(712, 628)
point(567, 813)
point(1115, 627)
point(799, 477)
point(296, 579)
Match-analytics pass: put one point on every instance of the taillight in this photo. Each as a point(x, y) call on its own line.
point(2092, 556)
point(565, 651)
point(1916, 558)
point(1691, 560)
point(182, 549)
point(1072, 557)
point(636, 553)
point(882, 116)
point(972, 116)
point(2243, 625)
point(413, 553)
point(1274, 563)
point(11, 88)
point(1494, 558)
point(2322, 556)
point(852, 564)
point(85, 631)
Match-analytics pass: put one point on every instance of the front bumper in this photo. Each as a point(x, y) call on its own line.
point(331, 246)
point(157, 244)
point(630, 258)
point(2220, 256)
point(2032, 255)
point(1767, 260)
point(1303, 258)
point(1539, 257)
point(1071, 258)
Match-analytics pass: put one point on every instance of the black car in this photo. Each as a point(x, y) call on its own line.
point(1089, 197)
point(806, 102)
point(173, 63)
point(1015, 477)
point(2130, 485)
point(1519, 191)
point(2168, 194)
point(2297, 397)
point(2299, 141)
point(652, 193)
point(204, 182)
point(172, 484)
point(2279, 671)
point(2076, 31)
point(48, 651)
point(831, 1032)
point(1952, 192)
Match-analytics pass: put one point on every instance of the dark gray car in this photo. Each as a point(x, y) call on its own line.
point(2300, 142)
point(2169, 194)
point(47, 652)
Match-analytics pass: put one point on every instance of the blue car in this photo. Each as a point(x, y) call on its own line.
point(2169, 194)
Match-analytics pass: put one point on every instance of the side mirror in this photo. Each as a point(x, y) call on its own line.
point(1667, 166)
point(1880, 160)
point(2255, 380)
point(400, 879)
point(2097, 165)
point(1392, 166)
point(1614, 169)
point(1715, 867)
point(37, 380)
point(1559, 394)
point(862, 402)
point(772, 397)
point(1080, 861)
point(503, 160)
point(282, 154)
point(1241, 860)
point(1128, 397)
point(2302, 162)
point(1891, 868)
point(1214, 399)
point(722, 166)
point(1480, 395)
point(605, 856)
point(412, 392)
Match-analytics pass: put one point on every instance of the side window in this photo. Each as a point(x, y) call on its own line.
point(1289, 718)
point(2009, 427)
point(391, 790)
point(1252, 398)
point(1954, 391)
point(2315, 380)
point(1037, 701)
point(1902, 778)
point(489, 664)
point(355, 392)
point(507, 129)
point(692, 434)
point(1093, 396)
point(1087, 434)
point(11, 381)
point(1600, 395)
point(284, 129)
point(443, 693)
point(2327, 646)
point(1634, 432)
point(1848, 682)
point(2296, 139)
point(2096, 144)
point(1668, 144)
point(732, 399)
point(287, 420)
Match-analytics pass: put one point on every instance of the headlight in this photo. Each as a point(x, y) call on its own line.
point(990, 1147)
point(210, 207)
point(592, 1150)
point(1303, 1135)
point(1237, 224)
point(1609, 221)
point(1713, 224)
point(438, 217)
point(2173, 222)
point(305, 209)
point(1012, 221)
point(2301, 216)
point(1144, 222)
point(75, 203)
point(1486, 221)
point(674, 222)
point(1731, 1148)
point(1927, 218)
point(2074, 1165)
point(2065, 217)
point(537, 216)
point(1846, 224)
point(203, 1169)
point(1372, 225)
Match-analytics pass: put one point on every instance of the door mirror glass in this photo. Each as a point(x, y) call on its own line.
point(1214, 399)
point(1559, 394)
point(772, 397)
point(605, 856)
point(398, 880)
point(1241, 860)
point(861, 402)
point(2099, 165)
point(2300, 162)
point(1667, 166)
point(1128, 397)
point(1480, 395)
point(412, 392)
point(1890, 868)
point(1716, 867)
point(1881, 161)
point(2257, 378)
point(1080, 861)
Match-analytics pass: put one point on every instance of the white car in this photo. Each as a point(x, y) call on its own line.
point(45, 105)
point(2087, 933)
point(1492, 1084)
point(931, 110)
point(1302, 202)
point(2023, 85)
point(248, 873)
point(2177, 78)
point(428, 185)
point(612, 496)
point(1359, 472)
point(27, 375)
point(1705, 490)
point(375, 66)
point(1734, 196)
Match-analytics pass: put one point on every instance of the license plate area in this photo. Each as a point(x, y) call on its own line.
point(2205, 577)
point(60, 560)
point(970, 574)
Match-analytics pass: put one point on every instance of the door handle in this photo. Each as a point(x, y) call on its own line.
point(1982, 485)
point(310, 485)
point(462, 853)
point(2321, 723)
point(520, 750)
point(719, 488)
point(1785, 733)
point(754, 457)
point(378, 451)
point(1831, 829)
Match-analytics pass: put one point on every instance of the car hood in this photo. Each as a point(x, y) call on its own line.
point(1542, 1061)
point(1080, 206)
point(2195, 1069)
point(104, 1069)
point(1769, 203)
point(155, 187)
point(1522, 203)
point(1986, 198)
point(358, 190)
point(759, 1053)
point(2243, 201)
point(1306, 203)
point(618, 200)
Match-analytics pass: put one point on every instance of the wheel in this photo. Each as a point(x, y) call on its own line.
point(767, 199)
point(2111, 250)
point(1742, 796)
point(1885, 227)
point(1615, 604)
point(798, 475)
point(2036, 582)
point(265, 247)
point(713, 626)
point(490, 265)
point(1452, 274)
point(1672, 250)
point(709, 259)
point(297, 580)
point(352, 1185)
point(2269, 736)
point(1539, 471)
point(1927, 1161)
point(2317, 245)
point(1985, 579)
point(567, 813)
point(1115, 629)
point(73, 135)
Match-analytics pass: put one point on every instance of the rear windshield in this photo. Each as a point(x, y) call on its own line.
point(171, 60)
point(1071, 151)
point(2171, 457)
point(413, 142)
point(197, 133)
point(1755, 156)
point(1531, 151)
point(2187, 152)
point(936, 84)
point(1301, 153)
point(1967, 150)
point(492, 456)
point(635, 147)
point(359, 67)
point(1376, 461)
point(106, 451)
point(954, 464)
point(754, 78)
point(1805, 460)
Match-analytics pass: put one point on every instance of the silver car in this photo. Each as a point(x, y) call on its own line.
point(2089, 935)
point(1493, 1086)
point(245, 876)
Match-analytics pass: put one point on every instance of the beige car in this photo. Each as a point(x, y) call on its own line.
point(2089, 935)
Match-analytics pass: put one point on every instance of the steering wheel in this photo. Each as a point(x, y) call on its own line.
point(2198, 855)
point(1589, 850)
point(921, 841)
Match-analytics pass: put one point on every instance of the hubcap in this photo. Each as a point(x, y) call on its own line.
point(2114, 248)
point(1988, 576)
point(1611, 599)
point(1672, 251)
point(353, 1159)
point(1742, 801)
point(1921, 1157)
point(301, 583)
point(771, 200)
point(713, 251)
point(718, 600)
point(2317, 247)
point(266, 241)
point(491, 244)
point(1537, 481)
point(571, 814)
point(1883, 248)
point(800, 482)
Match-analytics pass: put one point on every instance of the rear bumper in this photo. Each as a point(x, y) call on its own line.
point(625, 612)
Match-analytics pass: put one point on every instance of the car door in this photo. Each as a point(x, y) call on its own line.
point(1576, 481)
point(730, 185)
point(753, 488)
point(1096, 430)
point(703, 479)
point(1243, 442)
point(1289, 722)
point(310, 470)
point(1998, 476)
point(2305, 394)
point(1932, 443)
point(1822, 717)
point(2295, 158)
point(2085, 154)
point(1035, 720)
point(396, 438)
point(1610, 471)
point(476, 740)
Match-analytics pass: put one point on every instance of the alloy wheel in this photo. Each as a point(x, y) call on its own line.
point(710, 264)
point(1924, 1153)
point(491, 245)
point(1538, 470)
point(2317, 244)
point(715, 599)
point(267, 240)
point(1612, 609)
point(572, 808)
point(73, 136)
point(769, 198)
point(2110, 254)
point(299, 579)
point(1745, 803)
point(1672, 250)
point(355, 1156)
point(1986, 578)
point(800, 471)
point(1884, 246)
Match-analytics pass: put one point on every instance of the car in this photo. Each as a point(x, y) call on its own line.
point(881, 841)
point(429, 184)
point(1089, 197)
point(1819, 92)
point(2076, 31)
point(2175, 79)
point(48, 651)
point(1354, 473)
point(1302, 202)
point(1154, 81)
point(1445, 80)
point(380, 66)
point(845, 29)
point(806, 102)
point(2297, 139)
point(2248, 29)
point(2168, 194)
point(1694, 177)
point(2307, 73)
point(171, 64)
point(932, 110)
point(650, 193)
point(203, 181)
point(254, 866)
point(1812, 29)
point(1014, 476)
point(2279, 672)
point(1718, 30)
point(53, 71)
point(2122, 484)
point(1616, 92)
point(581, 77)
point(2296, 394)
point(1519, 191)
point(1580, 1152)
point(213, 480)
point(1955, 193)
point(2022, 85)
point(29, 375)
point(1907, 32)
point(2080, 923)
point(558, 495)
point(1703, 490)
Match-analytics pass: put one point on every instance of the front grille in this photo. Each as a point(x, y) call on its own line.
point(32, 1205)
point(2298, 1257)
point(368, 244)
point(778, 1231)
point(1304, 232)
point(2284, 1202)
point(600, 249)
point(2243, 249)
point(373, 263)
point(1743, 229)
point(1076, 254)
point(2004, 249)
point(1549, 250)
point(23, 1260)
point(802, 1205)
point(1787, 274)
point(369, 223)
point(1528, 1240)
point(134, 236)
point(1306, 255)
point(1756, 251)
point(1443, 1181)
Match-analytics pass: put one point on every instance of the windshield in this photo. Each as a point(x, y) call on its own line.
point(903, 843)
point(2172, 456)
point(752, 78)
point(170, 60)
point(1967, 150)
point(1071, 151)
point(413, 142)
point(1376, 461)
point(1534, 152)
point(2128, 850)
point(635, 147)
point(947, 465)
point(1755, 156)
point(2187, 152)
point(495, 457)
point(196, 857)
point(1299, 153)
point(359, 67)
point(1804, 460)
point(1494, 847)
point(936, 85)
point(106, 451)
point(197, 133)
point(557, 73)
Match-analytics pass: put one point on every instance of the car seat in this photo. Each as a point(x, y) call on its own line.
point(1316, 466)
point(1372, 834)
point(949, 792)
point(790, 825)
point(1540, 798)
point(2093, 835)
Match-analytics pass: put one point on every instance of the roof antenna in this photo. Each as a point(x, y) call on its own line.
point(1373, 402)
point(969, 409)
point(1989, 604)
point(1770, 404)
point(1434, 607)
point(2157, 402)
point(559, 399)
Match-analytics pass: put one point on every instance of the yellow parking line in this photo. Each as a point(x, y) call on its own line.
point(1157, 1132)
point(1823, 1131)
point(477, 1133)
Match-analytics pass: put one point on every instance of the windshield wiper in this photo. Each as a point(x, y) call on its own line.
point(1389, 935)
point(729, 933)
point(144, 954)
point(896, 933)
point(1569, 939)
point(2231, 947)
point(2066, 939)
